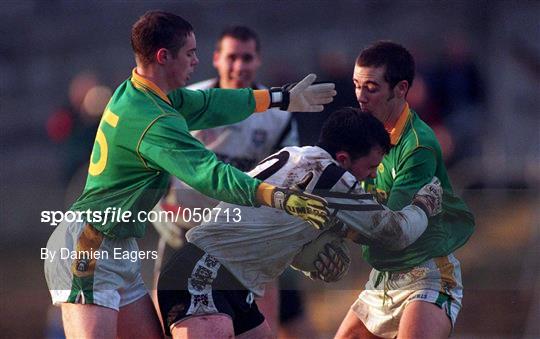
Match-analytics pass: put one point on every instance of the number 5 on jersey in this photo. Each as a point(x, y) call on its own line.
point(97, 166)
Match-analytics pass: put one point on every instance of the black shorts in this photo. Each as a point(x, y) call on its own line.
point(195, 283)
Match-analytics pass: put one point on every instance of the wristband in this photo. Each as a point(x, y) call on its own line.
point(279, 98)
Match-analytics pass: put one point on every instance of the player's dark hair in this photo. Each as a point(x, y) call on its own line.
point(158, 29)
point(351, 130)
point(397, 59)
point(241, 33)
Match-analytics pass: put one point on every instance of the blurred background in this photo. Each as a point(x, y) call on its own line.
point(478, 86)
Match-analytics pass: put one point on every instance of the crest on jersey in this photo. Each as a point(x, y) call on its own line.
point(259, 136)
point(380, 168)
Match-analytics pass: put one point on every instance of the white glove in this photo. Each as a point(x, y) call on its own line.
point(325, 257)
point(333, 263)
point(168, 230)
point(303, 96)
point(429, 198)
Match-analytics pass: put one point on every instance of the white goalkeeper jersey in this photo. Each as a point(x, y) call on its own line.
point(259, 244)
point(242, 145)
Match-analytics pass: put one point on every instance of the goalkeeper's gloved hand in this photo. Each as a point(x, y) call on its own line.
point(309, 207)
point(295, 201)
point(303, 96)
point(429, 197)
point(333, 263)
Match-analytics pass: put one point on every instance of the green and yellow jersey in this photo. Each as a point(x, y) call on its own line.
point(413, 160)
point(144, 135)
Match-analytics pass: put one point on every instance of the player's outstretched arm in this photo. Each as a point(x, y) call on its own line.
point(215, 107)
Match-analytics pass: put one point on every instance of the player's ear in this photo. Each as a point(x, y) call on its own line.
point(162, 55)
point(344, 159)
point(215, 59)
point(401, 89)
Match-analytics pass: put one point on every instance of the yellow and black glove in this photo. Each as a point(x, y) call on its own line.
point(294, 201)
point(307, 206)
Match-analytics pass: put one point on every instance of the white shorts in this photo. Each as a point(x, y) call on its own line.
point(381, 305)
point(81, 267)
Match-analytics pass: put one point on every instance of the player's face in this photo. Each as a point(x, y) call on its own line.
point(183, 63)
point(373, 93)
point(366, 166)
point(237, 63)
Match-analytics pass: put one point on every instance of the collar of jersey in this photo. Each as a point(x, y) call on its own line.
point(144, 84)
point(397, 131)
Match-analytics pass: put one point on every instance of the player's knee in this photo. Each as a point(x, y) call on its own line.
point(352, 327)
point(89, 321)
point(204, 326)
